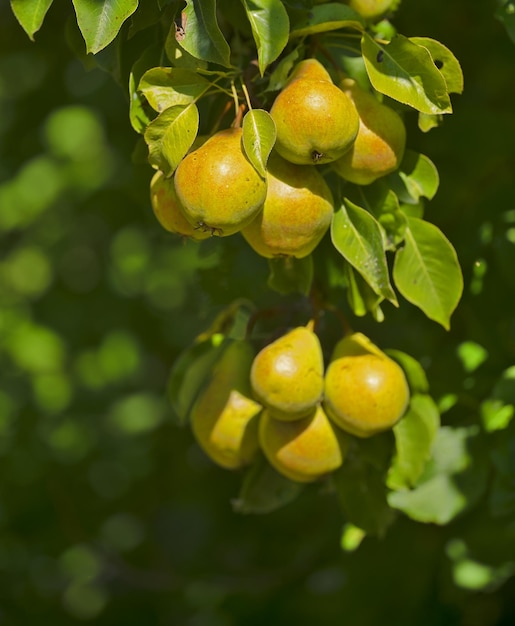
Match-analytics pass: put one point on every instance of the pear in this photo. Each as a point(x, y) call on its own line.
point(303, 450)
point(287, 375)
point(372, 9)
point(224, 417)
point(297, 212)
point(217, 186)
point(316, 122)
point(366, 392)
point(167, 208)
point(381, 140)
point(310, 69)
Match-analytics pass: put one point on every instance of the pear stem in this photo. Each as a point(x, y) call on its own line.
point(247, 97)
point(238, 108)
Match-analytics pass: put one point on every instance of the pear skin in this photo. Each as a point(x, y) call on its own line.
point(310, 69)
point(303, 450)
point(224, 417)
point(217, 186)
point(366, 392)
point(316, 122)
point(297, 212)
point(167, 208)
point(287, 375)
point(372, 9)
point(380, 143)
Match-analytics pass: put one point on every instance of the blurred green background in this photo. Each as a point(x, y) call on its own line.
point(108, 511)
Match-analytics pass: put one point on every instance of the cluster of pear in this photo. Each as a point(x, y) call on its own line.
point(216, 190)
point(283, 402)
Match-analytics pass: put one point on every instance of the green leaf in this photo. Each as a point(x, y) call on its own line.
point(360, 296)
point(201, 36)
point(190, 372)
point(427, 272)
point(170, 136)
point(445, 62)
point(326, 17)
point(358, 238)
point(454, 478)
point(415, 374)
point(414, 436)
point(165, 87)
point(264, 490)
point(416, 177)
point(405, 72)
point(383, 203)
point(258, 138)
point(427, 122)
point(505, 13)
point(30, 14)
point(140, 114)
point(281, 72)
point(362, 495)
point(291, 275)
point(100, 22)
point(270, 28)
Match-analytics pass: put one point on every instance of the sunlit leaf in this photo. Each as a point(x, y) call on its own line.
point(455, 477)
point(416, 177)
point(165, 87)
point(201, 36)
point(30, 14)
point(427, 272)
point(414, 436)
point(258, 138)
point(445, 62)
point(357, 237)
point(170, 136)
point(405, 72)
point(383, 203)
point(361, 297)
point(415, 374)
point(100, 22)
point(327, 17)
point(426, 122)
point(270, 28)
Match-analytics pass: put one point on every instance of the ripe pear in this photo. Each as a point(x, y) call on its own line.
point(167, 208)
point(372, 9)
point(303, 450)
point(316, 122)
point(297, 212)
point(224, 417)
point(310, 69)
point(381, 139)
point(366, 392)
point(287, 375)
point(218, 187)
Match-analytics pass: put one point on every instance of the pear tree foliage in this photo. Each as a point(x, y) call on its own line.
point(191, 68)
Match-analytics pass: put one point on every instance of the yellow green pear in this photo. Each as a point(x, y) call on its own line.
point(303, 450)
point(224, 417)
point(372, 9)
point(287, 375)
point(167, 208)
point(366, 392)
point(217, 186)
point(316, 122)
point(381, 139)
point(311, 69)
point(297, 212)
